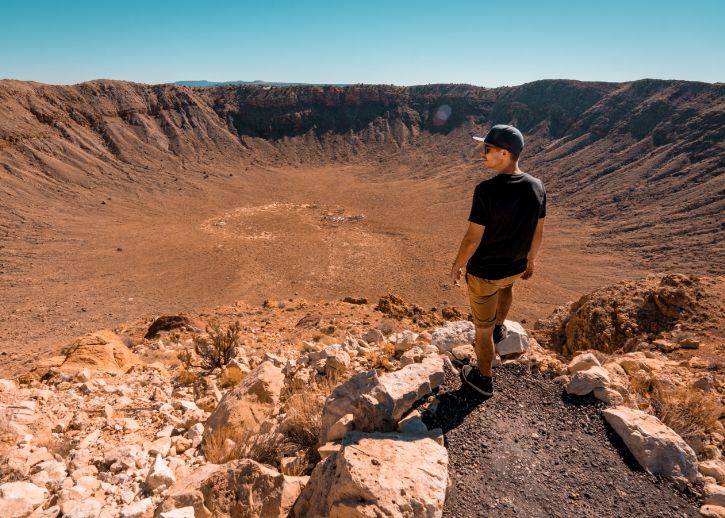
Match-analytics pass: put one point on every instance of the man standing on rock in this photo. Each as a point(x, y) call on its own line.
point(506, 224)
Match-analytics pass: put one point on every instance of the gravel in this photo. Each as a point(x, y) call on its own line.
point(533, 451)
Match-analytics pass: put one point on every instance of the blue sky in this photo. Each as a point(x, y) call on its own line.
point(480, 42)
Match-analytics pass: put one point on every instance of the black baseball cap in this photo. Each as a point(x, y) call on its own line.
point(504, 136)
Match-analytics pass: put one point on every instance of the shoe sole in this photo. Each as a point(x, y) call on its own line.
point(474, 387)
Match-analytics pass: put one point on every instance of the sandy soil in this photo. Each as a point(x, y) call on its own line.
point(266, 234)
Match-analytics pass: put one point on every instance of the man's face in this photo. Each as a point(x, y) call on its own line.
point(494, 157)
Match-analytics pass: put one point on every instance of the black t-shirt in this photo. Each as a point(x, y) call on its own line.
point(509, 206)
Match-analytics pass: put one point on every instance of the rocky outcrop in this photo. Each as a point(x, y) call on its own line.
point(617, 318)
point(103, 351)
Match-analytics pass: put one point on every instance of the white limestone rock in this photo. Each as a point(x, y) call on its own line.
point(138, 509)
point(714, 468)
point(338, 430)
point(378, 475)
point(714, 495)
point(657, 448)
point(15, 508)
point(89, 508)
point(217, 490)
point(160, 475)
point(23, 491)
point(516, 341)
point(712, 511)
point(181, 512)
point(582, 362)
point(608, 396)
point(585, 381)
point(452, 334)
point(7, 386)
point(377, 403)
point(403, 340)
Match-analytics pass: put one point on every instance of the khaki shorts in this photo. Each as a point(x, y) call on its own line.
point(483, 294)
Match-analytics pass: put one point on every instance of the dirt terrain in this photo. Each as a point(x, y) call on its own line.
point(280, 235)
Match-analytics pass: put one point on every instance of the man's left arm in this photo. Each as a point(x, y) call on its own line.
point(535, 245)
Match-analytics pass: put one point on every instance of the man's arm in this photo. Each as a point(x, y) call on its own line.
point(535, 244)
point(468, 247)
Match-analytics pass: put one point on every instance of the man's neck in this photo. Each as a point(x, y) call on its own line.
point(511, 169)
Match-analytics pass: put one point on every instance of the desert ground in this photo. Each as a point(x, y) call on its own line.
point(321, 233)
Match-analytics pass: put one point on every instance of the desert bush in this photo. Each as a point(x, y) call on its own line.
point(266, 448)
point(303, 404)
point(187, 377)
point(219, 347)
point(231, 377)
point(381, 357)
point(688, 411)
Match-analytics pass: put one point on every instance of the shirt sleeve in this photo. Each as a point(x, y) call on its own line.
point(542, 208)
point(478, 209)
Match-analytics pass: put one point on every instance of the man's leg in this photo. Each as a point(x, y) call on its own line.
point(483, 345)
point(503, 304)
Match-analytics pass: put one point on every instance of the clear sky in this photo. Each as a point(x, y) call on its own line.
point(481, 42)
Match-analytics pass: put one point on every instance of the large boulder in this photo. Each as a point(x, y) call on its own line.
point(375, 475)
point(102, 351)
point(247, 405)
point(238, 488)
point(377, 403)
point(657, 448)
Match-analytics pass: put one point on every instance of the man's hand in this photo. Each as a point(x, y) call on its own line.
point(529, 270)
point(456, 276)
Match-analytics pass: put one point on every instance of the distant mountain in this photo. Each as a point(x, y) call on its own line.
point(207, 84)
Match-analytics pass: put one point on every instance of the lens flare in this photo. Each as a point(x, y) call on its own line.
point(442, 115)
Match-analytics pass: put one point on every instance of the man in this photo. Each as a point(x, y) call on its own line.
point(506, 224)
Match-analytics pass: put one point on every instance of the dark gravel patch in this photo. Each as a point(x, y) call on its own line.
point(533, 451)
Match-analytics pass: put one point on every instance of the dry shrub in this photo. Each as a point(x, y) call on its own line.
point(231, 377)
point(61, 446)
point(303, 404)
point(220, 347)
point(688, 411)
point(266, 448)
point(186, 377)
point(382, 357)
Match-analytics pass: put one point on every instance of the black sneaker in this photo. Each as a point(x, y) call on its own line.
point(499, 333)
point(477, 381)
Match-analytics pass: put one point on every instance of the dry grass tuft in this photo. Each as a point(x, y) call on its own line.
point(265, 448)
point(688, 411)
point(231, 377)
point(60, 446)
point(303, 404)
point(186, 377)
